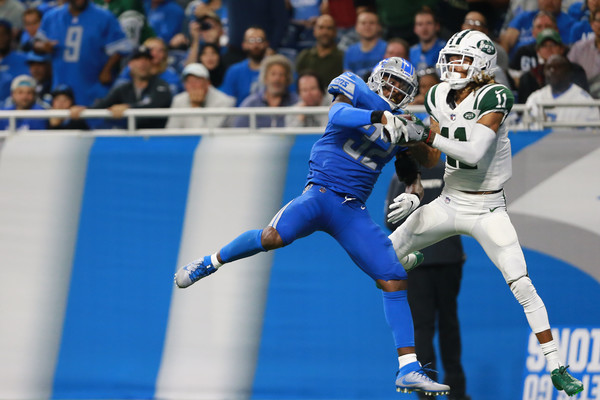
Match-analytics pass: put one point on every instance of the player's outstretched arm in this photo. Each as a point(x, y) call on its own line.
point(342, 113)
point(471, 152)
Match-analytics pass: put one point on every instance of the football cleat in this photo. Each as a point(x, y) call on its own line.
point(412, 378)
point(563, 380)
point(193, 272)
point(412, 261)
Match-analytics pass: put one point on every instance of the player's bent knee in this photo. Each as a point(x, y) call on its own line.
point(393, 285)
point(534, 307)
point(270, 238)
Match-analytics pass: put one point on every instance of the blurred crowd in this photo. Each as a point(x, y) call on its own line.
point(120, 54)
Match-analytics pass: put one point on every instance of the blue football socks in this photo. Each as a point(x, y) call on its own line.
point(399, 318)
point(245, 245)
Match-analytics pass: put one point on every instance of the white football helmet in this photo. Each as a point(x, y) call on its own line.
point(468, 43)
point(402, 71)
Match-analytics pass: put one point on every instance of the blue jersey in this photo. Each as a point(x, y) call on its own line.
point(84, 45)
point(422, 60)
point(362, 63)
point(11, 66)
point(25, 123)
point(166, 19)
point(240, 81)
point(349, 160)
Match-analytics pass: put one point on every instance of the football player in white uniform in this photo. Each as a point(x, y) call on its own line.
point(467, 112)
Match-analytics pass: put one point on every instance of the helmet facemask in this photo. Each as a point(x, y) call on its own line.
point(476, 56)
point(395, 76)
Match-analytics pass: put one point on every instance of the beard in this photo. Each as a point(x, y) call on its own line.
point(257, 56)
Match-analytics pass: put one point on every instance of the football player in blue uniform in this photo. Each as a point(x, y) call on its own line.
point(343, 168)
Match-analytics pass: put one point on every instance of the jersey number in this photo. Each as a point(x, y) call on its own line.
point(73, 44)
point(359, 151)
point(460, 134)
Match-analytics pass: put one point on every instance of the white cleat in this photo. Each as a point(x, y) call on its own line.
point(418, 381)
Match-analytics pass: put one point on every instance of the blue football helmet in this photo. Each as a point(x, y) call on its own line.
point(397, 76)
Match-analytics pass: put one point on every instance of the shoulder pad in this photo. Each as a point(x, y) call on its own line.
point(355, 89)
point(494, 98)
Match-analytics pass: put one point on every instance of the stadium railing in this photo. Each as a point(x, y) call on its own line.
point(520, 119)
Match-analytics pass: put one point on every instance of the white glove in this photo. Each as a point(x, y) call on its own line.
point(402, 206)
point(396, 129)
point(415, 130)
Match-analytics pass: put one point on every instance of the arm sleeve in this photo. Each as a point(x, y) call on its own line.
point(343, 114)
point(469, 152)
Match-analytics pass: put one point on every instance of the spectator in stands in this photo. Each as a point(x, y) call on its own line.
point(343, 13)
point(159, 66)
point(165, 17)
point(427, 77)
point(12, 63)
point(427, 27)
point(131, 16)
point(299, 35)
point(397, 16)
point(199, 93)
point(82, 58)
point(583, 27)
point(211, 59)
point(310, 91)
point(63, 99)
point(548, 43)
point(241, 78)
point(519, 30)
point(12, 11)
point(40, 69)
point(271, 15)
point(526, 56)
point(22, 92)
point(561, 89)
point(477, 21)
point(361, 57)
point(196, 9)
point(144, 91)
point(276, 77)
point(397, 47)
point(207, 29)
point(324, 59)
point(586, 52)
point(32, 17)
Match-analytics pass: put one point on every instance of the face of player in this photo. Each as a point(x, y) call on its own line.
point(276, 80)
point(425, 27)
point(325, 31)
point(210, 58)
point(255, 44)
point(23, 97)
point(391, 86)
point(61, 102)
point(461, 65)
point(395, 49)
point(367, 26)
point(309, 91)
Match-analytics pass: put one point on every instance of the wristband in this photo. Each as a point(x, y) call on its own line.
point(376, 117)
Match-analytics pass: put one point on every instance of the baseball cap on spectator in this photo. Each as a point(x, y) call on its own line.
point(195, 69)
point(22, 80)
point(36, 57)
point(63, 89)
point(548, 34)
point(139, 52)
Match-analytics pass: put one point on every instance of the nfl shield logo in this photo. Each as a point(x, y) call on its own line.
point(447, 200)
point(453, 117)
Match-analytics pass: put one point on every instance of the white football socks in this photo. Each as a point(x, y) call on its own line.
point(550, 350)
point(407, 359)
point(215, 261)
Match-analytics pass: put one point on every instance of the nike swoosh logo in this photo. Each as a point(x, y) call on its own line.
point(494, 209)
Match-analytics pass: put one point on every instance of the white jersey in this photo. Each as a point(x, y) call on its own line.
point(495, 168)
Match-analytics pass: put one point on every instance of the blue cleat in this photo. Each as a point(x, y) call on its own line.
point(412, 378)
point(193, 272)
